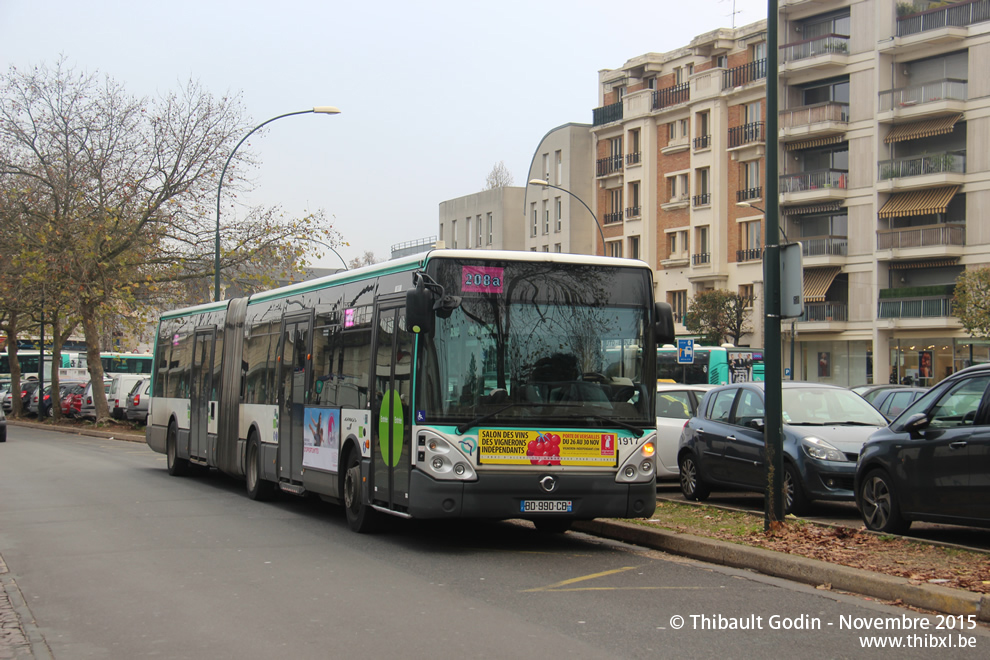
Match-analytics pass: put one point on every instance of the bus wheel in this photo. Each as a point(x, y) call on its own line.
point(361, 517)
point(258, 489)
point(177, 467)
point(552, 525)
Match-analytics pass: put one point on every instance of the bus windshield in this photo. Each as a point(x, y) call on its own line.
point(544, 342)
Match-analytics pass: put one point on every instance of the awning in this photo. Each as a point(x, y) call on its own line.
point(920, 129)
point(918, 202)
point(817, 281)
point(817, 142)
point(814, 208)
point(929, 263)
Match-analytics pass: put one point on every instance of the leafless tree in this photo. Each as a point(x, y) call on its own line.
point(499, 177)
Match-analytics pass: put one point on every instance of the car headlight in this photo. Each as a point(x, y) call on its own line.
point(823, 451)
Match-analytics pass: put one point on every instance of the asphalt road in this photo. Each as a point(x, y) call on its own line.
point(115, 559)
point(838, 513)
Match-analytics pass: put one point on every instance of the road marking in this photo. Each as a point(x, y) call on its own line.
point(564, 585)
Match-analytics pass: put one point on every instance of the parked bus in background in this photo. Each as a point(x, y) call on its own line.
point(450, 384)
point(127, 363)
point(30, 362)
point(713, 365)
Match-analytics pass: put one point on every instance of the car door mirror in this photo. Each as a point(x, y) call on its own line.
point(915, 423)
point(758, 424)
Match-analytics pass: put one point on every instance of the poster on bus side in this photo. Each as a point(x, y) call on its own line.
point(321, 438)
point(525, 447)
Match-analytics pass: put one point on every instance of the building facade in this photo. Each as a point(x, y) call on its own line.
point(882, 159)
point(486, 220)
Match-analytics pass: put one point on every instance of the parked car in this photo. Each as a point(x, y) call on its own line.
point(824, 428)
point(892, 402)
point(87, 409)
point(137, 401)
point(72, 400)
point(870, 392)
point(27, 389)
point(3, 426)
point(676, 404)
point(933, 462)
point(120, 388)
point(46, 404)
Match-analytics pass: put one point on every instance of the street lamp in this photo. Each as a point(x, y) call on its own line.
point(313, 240)
point(547, 184)
point(323, 109)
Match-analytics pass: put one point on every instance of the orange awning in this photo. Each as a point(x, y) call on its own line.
point(918, 202)
point(817, 281)
point(814, 208)
point(920, 129)
point(817, 142)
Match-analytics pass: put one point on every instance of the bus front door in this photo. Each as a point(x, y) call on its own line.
point(391, 426)
point(200, 391)
point(294, 367)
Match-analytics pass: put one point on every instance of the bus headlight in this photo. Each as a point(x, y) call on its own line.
point(442, 459)
point(641, 465)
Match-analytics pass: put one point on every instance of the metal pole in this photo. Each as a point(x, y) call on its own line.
point(594, 217)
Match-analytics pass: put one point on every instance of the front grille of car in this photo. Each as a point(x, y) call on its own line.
point(852, 456)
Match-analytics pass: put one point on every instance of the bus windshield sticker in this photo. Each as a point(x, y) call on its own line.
point(482, 279)
point(519, 447)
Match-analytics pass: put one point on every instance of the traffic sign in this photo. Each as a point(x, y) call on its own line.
point(685, 351)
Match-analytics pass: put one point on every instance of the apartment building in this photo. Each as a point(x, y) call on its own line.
point(884, 122)
point(486, 220)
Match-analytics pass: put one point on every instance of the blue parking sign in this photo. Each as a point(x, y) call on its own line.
point(685, 351)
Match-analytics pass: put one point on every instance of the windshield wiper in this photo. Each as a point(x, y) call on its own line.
point(484, 418)
point(629, 427)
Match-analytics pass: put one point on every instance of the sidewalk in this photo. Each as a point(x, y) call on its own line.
point(767, 562)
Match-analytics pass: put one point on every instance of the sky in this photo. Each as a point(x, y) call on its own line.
point(432, 93)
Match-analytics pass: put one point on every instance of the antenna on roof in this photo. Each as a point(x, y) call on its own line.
point(733, 12)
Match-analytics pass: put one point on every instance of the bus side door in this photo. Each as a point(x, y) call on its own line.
point(391, 425)
point(294, 362)
point(201, 390)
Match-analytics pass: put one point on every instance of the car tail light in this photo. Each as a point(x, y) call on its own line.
point(137, 399)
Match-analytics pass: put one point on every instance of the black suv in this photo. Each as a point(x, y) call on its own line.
point(933, 462)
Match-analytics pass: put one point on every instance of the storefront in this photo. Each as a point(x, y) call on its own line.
point(924, 363)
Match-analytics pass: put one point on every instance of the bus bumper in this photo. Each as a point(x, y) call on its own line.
point(499, 496)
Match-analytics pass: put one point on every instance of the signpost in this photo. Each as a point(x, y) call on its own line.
point(685, 351)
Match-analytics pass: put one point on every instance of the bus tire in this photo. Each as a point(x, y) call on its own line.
point(258, 489)
point(361, 518)
point(177, 467)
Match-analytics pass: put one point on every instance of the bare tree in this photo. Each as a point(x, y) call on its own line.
point(366, 259)
point(499, 177)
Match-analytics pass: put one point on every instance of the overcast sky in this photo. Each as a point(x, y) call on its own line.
point(432, 93)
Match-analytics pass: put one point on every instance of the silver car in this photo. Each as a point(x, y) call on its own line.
point(137, 401)
point(88, 408)
point(676, 403)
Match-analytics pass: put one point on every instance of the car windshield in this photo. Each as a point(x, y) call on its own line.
point(827, 406)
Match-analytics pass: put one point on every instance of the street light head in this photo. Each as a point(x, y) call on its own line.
point(326, 110)
point(745, 205)
point(538, 182)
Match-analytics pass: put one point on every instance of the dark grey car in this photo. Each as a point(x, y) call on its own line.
point(824, 428)
point(933, 462)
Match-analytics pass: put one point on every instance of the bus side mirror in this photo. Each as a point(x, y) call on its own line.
point(664, 323)
point(419, 310)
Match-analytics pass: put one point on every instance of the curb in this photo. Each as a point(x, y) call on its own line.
point(798, 569)
point(93, 433)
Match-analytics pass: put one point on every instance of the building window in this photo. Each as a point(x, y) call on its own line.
point(481, 231)
point(546, 167)
point(559, 161)
point(721, 61)
point(556, 247)
point(560, 212)
point(750, 241)
point(453, 233)
point(759, 51)
point(651, 83)
point(685, 125)
point(634, 247)
point(536, 220)
point(678, 304)
point(614, 213)
point(703, 195)
point(441, 231)
point(678, 76)
point(491, 228)
point(614, 248)
point(746, 293)
point(836, 90)
point(467, 232)
point(546, 218)
point(754, 112)
point(633, 210)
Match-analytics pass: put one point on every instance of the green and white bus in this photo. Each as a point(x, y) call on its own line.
point(449, 384)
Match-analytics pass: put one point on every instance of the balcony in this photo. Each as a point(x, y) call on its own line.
point(817, 120)
point(702, 142)
point(752, 254)
point(946, 168)
point(633, 211)
point(612, 217)
point(815, 185)
point(824, 250)
point(935, 97)
point(704, 199)
point(664, 98)
point(830, 50)
point(609, 165)
point(926, 237)
point(959, 14)
point(607, 114)
point(824, 312)
point(749, 193)
point(701, 259)
point(747, 134)
point(633, 159)
point(745, 74)
point(916, 302)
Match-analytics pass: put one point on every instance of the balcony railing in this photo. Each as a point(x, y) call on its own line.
point(612, 217)
point(702, 142)
point(807, 115)
point(749, 255)
point(823, 312)
point(633, 211)
point(824, 246)
point(607, 114)
point(704, 199)
point(747, 73)
point(814, 180)
point(633, 159)
point(948, 161)
point(747, 133)
point(824, 45)
point(749, 193)
point(915, 308)
point(701, 258)
point(663, 98)
point(959, 14)
point(917, 237)
point(609, 165)
point(948, 89)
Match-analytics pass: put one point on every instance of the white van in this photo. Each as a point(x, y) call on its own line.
point(120, 386)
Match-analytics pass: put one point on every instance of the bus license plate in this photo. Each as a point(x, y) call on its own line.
point(545, 506)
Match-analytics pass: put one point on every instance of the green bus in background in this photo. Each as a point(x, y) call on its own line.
point(713, 365)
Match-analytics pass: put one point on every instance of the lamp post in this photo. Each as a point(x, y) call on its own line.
point(323, 109)
point(547, 184)
point(313, 240)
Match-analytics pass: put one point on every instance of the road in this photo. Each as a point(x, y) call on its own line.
point(115, 559)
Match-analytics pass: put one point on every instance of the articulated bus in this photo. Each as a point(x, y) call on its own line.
point(713, 365)
point(449, 384)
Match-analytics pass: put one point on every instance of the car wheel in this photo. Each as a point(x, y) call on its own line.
point(177, 467)
point(692, 485)
point(878, 504)
point(361, 517)
point(258, 489)
point(795, 501)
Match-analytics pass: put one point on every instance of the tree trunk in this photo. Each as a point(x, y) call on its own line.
point(95, 366)
point(16, 409)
